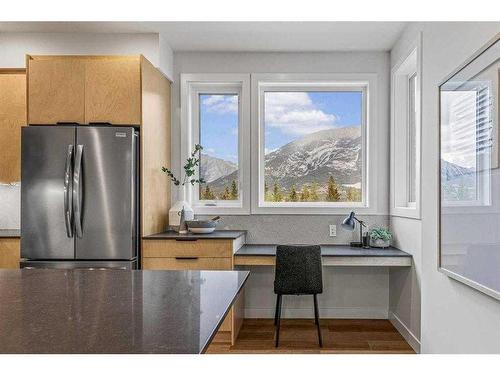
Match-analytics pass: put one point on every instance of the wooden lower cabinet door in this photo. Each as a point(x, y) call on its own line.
point(10, 251)
point(186, 263)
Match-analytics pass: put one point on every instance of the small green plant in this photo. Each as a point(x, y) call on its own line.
point(189, 169)
point(380, 234)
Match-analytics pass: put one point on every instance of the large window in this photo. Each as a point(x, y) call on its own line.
point(216, 116)
point(310, 147)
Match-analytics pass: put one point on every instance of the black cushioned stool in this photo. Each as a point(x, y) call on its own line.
point(298, 271)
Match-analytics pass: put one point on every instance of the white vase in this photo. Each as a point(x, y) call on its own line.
point(174, 214)
point(380, 243)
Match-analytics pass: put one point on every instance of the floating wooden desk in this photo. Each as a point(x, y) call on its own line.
point(333, 255)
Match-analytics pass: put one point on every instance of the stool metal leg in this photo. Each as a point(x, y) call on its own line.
point(278, 318)
point(316, 318)
point(276, 310)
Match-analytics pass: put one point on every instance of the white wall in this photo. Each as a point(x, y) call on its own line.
point(455, 318)
point(349, 291)
point(405, 283)
point(15, 46)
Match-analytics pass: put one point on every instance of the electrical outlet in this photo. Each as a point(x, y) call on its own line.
point(333, 230)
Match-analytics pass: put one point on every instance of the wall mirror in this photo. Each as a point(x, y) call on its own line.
point(469, 172)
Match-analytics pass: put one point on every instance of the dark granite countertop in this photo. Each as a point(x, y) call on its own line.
point(8, 233)
point(113, 311)
point(327, 251)
point(218, 234)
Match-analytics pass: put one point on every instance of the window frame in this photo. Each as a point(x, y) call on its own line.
point(409, 66)
point(366, 82)
point(192, 85)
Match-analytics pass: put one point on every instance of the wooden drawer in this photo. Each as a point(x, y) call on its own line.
point(187, 263)
point(198, 248)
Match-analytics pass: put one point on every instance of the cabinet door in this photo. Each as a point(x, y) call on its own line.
point(56, 90)
point(9, 252)
point(113, 91)
point(12, 117)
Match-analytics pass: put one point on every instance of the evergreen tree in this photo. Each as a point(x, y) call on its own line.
point(208, 194)
point(332, 194)
point(227, 194)
point(234, 191)
point(292, 196)
point(277, 195)
point(314, 192)
point(353, 194)
point(305, 195)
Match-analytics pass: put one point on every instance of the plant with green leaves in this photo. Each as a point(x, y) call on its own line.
point(380, 234)
point(192, 163)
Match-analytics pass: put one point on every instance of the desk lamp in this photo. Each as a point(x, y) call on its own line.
point(349, 224)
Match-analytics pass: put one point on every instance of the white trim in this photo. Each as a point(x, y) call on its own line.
point(471, 283)
point(408, 335)
point(239, 83)
point(407, 66)
point(324, 312)
point(370, 141)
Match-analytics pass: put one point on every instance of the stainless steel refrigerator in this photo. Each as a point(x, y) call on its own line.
point(79, 197)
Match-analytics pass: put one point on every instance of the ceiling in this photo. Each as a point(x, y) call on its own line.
point(241, 36)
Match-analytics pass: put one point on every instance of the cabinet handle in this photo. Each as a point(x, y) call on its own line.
point(186, 258)
point(186, 239)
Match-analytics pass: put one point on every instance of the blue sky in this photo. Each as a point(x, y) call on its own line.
point(288, 116)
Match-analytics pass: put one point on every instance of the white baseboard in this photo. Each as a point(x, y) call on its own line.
point(410, 338)
point(332, 312)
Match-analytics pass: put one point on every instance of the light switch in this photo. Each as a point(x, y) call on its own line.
point(333, 230)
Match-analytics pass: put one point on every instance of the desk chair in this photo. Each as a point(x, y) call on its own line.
point(298, 272)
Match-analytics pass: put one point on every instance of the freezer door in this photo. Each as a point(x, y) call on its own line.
point(104, 193)
point(46, 170)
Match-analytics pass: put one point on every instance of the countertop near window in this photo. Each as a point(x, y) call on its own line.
point(218, 234)
point(10, 233)
point(114, 311)
point(327, 251)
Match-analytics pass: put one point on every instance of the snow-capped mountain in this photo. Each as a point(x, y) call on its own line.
point(213, 168)
point(314, 157)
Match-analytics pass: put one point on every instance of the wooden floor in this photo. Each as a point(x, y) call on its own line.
point(300, 336)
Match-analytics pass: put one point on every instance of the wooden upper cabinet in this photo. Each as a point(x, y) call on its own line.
point(56, 90)
point(84, 89)
point(12, 117)
point(113, 91)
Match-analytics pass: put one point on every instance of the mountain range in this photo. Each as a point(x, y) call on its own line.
point(312, 158)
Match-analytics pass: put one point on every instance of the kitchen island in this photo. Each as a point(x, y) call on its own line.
point(114, 311)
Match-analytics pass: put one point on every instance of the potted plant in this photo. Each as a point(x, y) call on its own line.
point(380, 237)
point(190, 169)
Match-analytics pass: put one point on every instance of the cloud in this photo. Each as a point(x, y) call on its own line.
point(295, 113)
point(221, 103)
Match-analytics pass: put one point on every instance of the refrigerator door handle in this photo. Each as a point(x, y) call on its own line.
point(77, 191)
point(68, 209)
